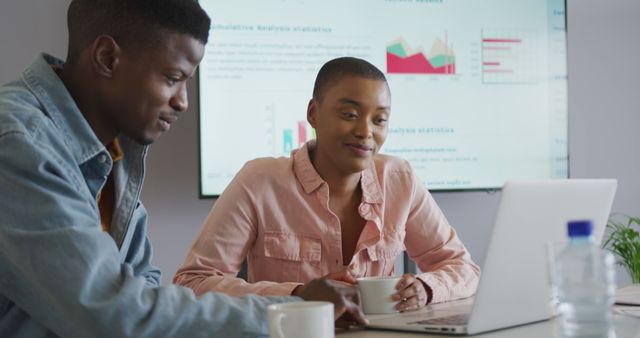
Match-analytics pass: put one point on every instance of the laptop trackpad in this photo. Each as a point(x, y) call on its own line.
point(455, 308)
point(459, 319)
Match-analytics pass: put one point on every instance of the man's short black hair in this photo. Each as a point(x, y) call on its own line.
point(334, 70)
point(134, 22)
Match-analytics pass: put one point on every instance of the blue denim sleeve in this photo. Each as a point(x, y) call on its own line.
point(63, 273)
point(140, 253)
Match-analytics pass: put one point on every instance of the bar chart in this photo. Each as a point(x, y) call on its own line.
point(509, 56)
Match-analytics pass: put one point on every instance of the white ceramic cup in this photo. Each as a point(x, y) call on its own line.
point(376, 292)
point(301, 319)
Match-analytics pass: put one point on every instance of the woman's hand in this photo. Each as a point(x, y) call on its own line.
point(412, 293)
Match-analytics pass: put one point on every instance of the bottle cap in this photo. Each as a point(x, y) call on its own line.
point(582, 228)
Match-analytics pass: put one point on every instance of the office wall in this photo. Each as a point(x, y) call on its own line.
point(604, 101)
point(27, 27)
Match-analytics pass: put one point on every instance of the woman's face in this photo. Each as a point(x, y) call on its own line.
point(351, 122)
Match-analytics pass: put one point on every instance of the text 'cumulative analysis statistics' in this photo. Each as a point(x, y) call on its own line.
point(479, 88)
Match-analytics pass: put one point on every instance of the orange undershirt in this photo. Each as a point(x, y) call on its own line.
point(106, 197)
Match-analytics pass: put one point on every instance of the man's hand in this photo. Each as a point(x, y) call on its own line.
point(344, 296)
point(341, 276)
point(412, 293)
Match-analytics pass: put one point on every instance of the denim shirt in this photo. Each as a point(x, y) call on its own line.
point(60, 274)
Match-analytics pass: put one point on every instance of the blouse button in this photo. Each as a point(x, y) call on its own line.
point(102, 158)
point(364, 208)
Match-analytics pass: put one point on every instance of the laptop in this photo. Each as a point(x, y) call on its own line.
point(513, 287)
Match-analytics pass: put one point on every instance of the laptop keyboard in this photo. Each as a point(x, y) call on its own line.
point(459, 319)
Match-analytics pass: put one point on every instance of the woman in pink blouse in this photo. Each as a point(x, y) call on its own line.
point(335, 208)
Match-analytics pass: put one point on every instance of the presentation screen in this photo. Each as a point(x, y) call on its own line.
point(479, 88)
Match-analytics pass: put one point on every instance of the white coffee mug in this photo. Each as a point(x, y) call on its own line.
point(301, 319)
point(376, 292)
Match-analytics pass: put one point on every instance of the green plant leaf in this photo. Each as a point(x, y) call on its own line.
point(624, 241)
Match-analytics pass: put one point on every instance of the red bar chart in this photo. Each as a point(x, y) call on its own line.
point(509, 56)
point(302, 133)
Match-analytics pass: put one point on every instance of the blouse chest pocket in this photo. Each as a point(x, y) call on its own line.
point(383, 256)
point(385, 250)
point(292, 257)
point(292, 247)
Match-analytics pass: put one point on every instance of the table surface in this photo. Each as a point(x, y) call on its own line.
point(626, 326)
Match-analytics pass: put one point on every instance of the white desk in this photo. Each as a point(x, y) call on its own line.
point(625, 326)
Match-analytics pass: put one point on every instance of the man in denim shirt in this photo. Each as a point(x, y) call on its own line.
point(74, 255)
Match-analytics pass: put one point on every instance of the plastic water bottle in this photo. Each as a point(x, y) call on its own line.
point(585, 285)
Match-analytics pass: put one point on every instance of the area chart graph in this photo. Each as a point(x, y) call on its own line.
point(402, 59)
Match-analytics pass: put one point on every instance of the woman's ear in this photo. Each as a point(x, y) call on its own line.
point(311, 113)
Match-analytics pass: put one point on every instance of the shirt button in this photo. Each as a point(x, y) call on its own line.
point(102, 158)
point(364, 209)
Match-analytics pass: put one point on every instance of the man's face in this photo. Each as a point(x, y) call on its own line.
point(351, 122)
point(149, 88)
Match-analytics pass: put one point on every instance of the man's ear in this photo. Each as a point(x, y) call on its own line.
point(105, 55)
point(311, 113)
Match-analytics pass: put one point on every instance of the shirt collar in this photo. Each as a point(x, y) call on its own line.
point(371, 190)
point(304, 170)
point(311, 180)
point(58, 104)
